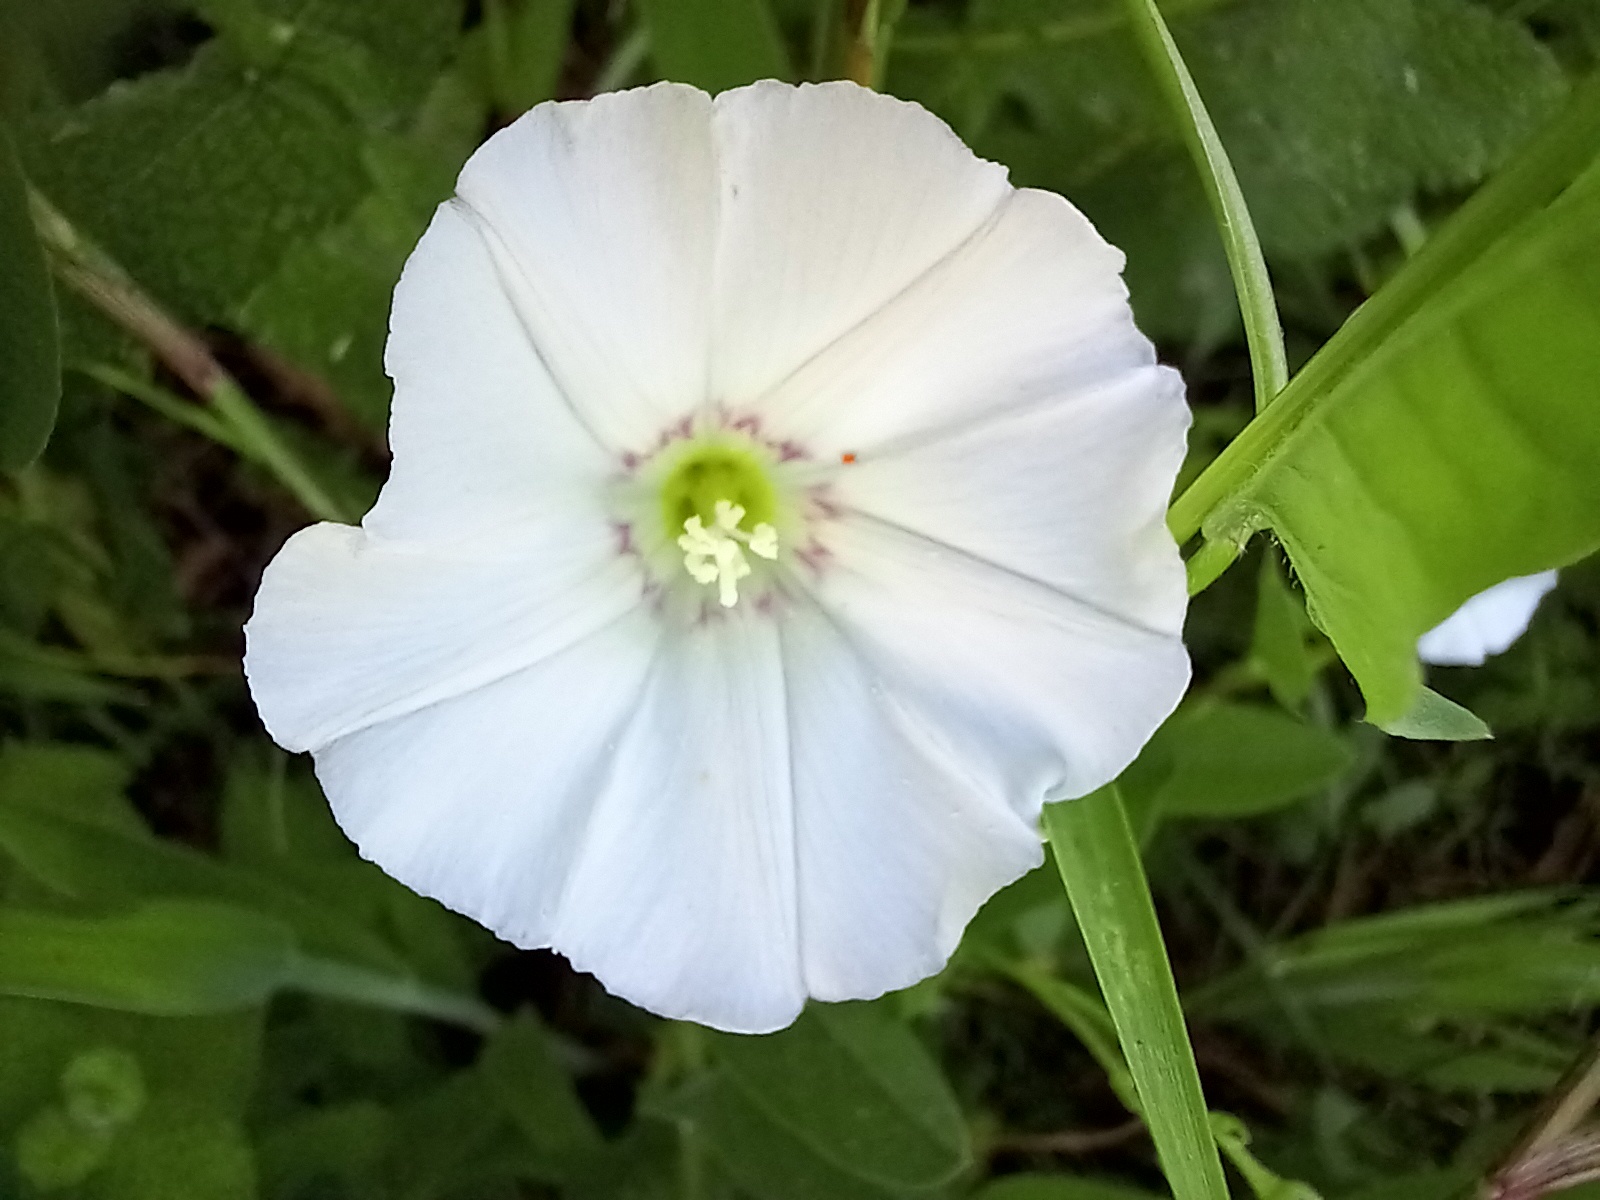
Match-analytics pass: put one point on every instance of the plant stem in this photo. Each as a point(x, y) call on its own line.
point(1269, 365)
point(90, 272)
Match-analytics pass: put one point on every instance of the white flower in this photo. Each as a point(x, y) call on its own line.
point(729, 760)
point(1486, 624)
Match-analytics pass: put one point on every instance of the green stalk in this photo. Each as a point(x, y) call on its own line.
point(1099, 863)
point(1269, 366)
point(95, 276)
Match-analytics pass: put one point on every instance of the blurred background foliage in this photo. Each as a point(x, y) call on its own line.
point(1389, 951)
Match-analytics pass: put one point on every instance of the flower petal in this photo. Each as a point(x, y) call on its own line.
point(1073, 494)
point(1040, 692)
point(482, 437)
point(350, 630)
point(1486, 624)
point(1029, 312)
point(601, 214)
point(481, 801)
point(833, 199)
point(682, 899)
point(898, 843)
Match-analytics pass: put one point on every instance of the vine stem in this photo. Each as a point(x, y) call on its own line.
point(92, 274)
point(1269, 365)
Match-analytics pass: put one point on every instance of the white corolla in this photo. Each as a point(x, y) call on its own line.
point(776, 520)
point(1486, 624)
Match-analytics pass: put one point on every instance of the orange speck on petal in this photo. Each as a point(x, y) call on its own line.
point(847, 457)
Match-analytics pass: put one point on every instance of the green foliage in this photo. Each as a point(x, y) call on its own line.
point(1059, 1187)
point(1444, 442)
point(30, 384)
point(1332, 114)
point(1387, 952)
point(1233, 760)
point(854, 1086)
point(162, 171)
point(715, 44)
point(1099, 864)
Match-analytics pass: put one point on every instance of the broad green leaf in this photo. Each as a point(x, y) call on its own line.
point(1445, 439)
point(535, 1092)
point(1059, 1187)
point(197, 180)
point(30, 378)
point(715, 44)
point(167, 959)
point(1233, 760)
point(1333, 114)
point(1105, 880)
point(855, 1085)
point(325, 303)
point(103, 866)
point(767, 1158)
point(84, 782)
point(184, 958)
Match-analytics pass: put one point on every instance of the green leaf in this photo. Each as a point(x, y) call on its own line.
point(166, 959)
point(343, 959)
point(326, 302)
point(1335, 114)
point(1520, 954)
point(856, 1086)
point(1059, 1187)
point(1233, 760)
point(1105, 880)
point(715, 44)
point(1268, 363)
point(84, 782)
point(30, 349)
point(536, 1093)
point(197, 180)
point(1436, 718)
point(767, 1158)
point(185, 958)
point(1445, 439)
point(103, 866)
point(525, 42)
point(1278, 645)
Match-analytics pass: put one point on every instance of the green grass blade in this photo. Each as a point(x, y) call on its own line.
point(1269, 366)
point(1099, 862)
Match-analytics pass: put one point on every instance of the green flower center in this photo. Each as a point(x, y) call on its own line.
point(706, 470)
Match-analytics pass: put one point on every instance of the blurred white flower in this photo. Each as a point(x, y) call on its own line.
point(776, 520)
point(1486, 624)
